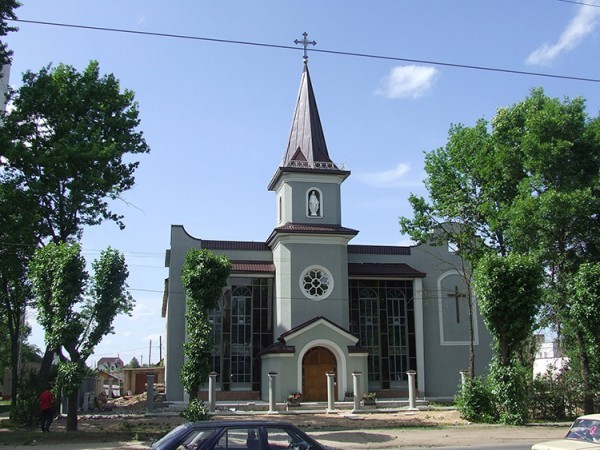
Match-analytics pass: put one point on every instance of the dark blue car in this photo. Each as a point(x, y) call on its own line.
point(240, 434)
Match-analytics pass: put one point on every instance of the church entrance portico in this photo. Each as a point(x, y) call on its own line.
point(317, 362)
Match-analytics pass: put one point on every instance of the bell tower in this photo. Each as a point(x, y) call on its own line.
point(309, 243)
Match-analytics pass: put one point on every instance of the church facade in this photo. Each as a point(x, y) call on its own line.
point(306, 301)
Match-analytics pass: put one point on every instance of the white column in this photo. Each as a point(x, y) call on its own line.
point(330, 391)
point(357, 391)
point(412, 391)
point(150, 390)
point(419, 336)
point(272, 392)
point(212, 391)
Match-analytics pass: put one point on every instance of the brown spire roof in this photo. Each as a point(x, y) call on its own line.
point(306, 150)
point(307, 142)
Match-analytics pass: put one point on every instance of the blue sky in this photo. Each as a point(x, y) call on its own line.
point(217, 115)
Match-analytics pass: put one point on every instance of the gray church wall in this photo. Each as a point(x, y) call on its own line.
point(335, 306)
point(330, 201)
point(446, 342)
point(284, 366)
point(181, 244)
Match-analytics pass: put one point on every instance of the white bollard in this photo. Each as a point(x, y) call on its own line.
point(330, 391)
point(272, 392)
point(357, 391)
point(412, 391)
point(212, 391)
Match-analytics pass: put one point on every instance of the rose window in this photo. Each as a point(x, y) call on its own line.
point(316, 283)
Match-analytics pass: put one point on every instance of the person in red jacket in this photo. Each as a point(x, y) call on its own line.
point(46, 409)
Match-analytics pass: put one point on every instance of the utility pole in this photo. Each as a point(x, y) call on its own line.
point(150, 353)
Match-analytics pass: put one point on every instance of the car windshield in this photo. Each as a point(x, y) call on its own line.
point(585, 430)
point(170, 434)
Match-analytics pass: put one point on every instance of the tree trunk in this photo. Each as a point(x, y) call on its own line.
point(14, 350)
point(588, 398)
point(72, 407)
point(46, 365)
point(471, 336)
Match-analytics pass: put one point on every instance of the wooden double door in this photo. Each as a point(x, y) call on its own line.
point(317, 362)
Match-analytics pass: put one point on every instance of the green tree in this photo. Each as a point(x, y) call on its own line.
point(67, 143)
point(528, 183)
point(555, 215)
point(508, 288)
point(17, 244)
point(584, 292)
point(7, 12)
point(204, 275)
point(65, 140)
point(134, 363)
point(85, 305)
point(509, 292)
point(462, 198)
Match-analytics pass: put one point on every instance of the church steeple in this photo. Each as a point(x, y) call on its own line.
point(306, 146)
point(306, 150)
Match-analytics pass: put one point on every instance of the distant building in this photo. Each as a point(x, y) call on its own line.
point(111, 364)
point(548, 357)
point(306, 302)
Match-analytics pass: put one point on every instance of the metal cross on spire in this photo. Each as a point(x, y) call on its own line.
point(305, 42)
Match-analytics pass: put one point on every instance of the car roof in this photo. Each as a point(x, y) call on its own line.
point(237, 423)
point(590, 416)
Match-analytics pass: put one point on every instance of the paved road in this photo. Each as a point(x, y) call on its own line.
point(139, 446)
point(465, 437)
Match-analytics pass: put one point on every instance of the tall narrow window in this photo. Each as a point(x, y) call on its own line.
point(382, 316)
point(397, 337)
point(280, 210)
point(369, 330)
point(216, 323)
point(241, 335)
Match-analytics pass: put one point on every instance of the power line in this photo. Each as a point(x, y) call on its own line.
point(580, 3)
point(332, 52)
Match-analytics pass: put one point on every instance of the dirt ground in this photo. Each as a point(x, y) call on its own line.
point(127, 426)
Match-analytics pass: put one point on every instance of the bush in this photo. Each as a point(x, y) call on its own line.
point(509, 387)
point(26, 408)
point(475, 401)
point(196, 411)
point(555, 396)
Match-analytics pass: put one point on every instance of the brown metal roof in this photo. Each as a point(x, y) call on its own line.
point(252, 267)
point(307, 149)
point(378, 250)
point(373, 270)
point(278, 347)
point(316, 229)
point(307, 140)
point(309, 322)
point(234, 245)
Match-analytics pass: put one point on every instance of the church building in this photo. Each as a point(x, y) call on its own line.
point(306, 301)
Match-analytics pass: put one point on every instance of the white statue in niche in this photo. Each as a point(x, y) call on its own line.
point(313, 204)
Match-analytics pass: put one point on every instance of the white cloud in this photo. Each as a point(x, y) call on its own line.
point(581, 25)
point(388, 178)
point(407, 82)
